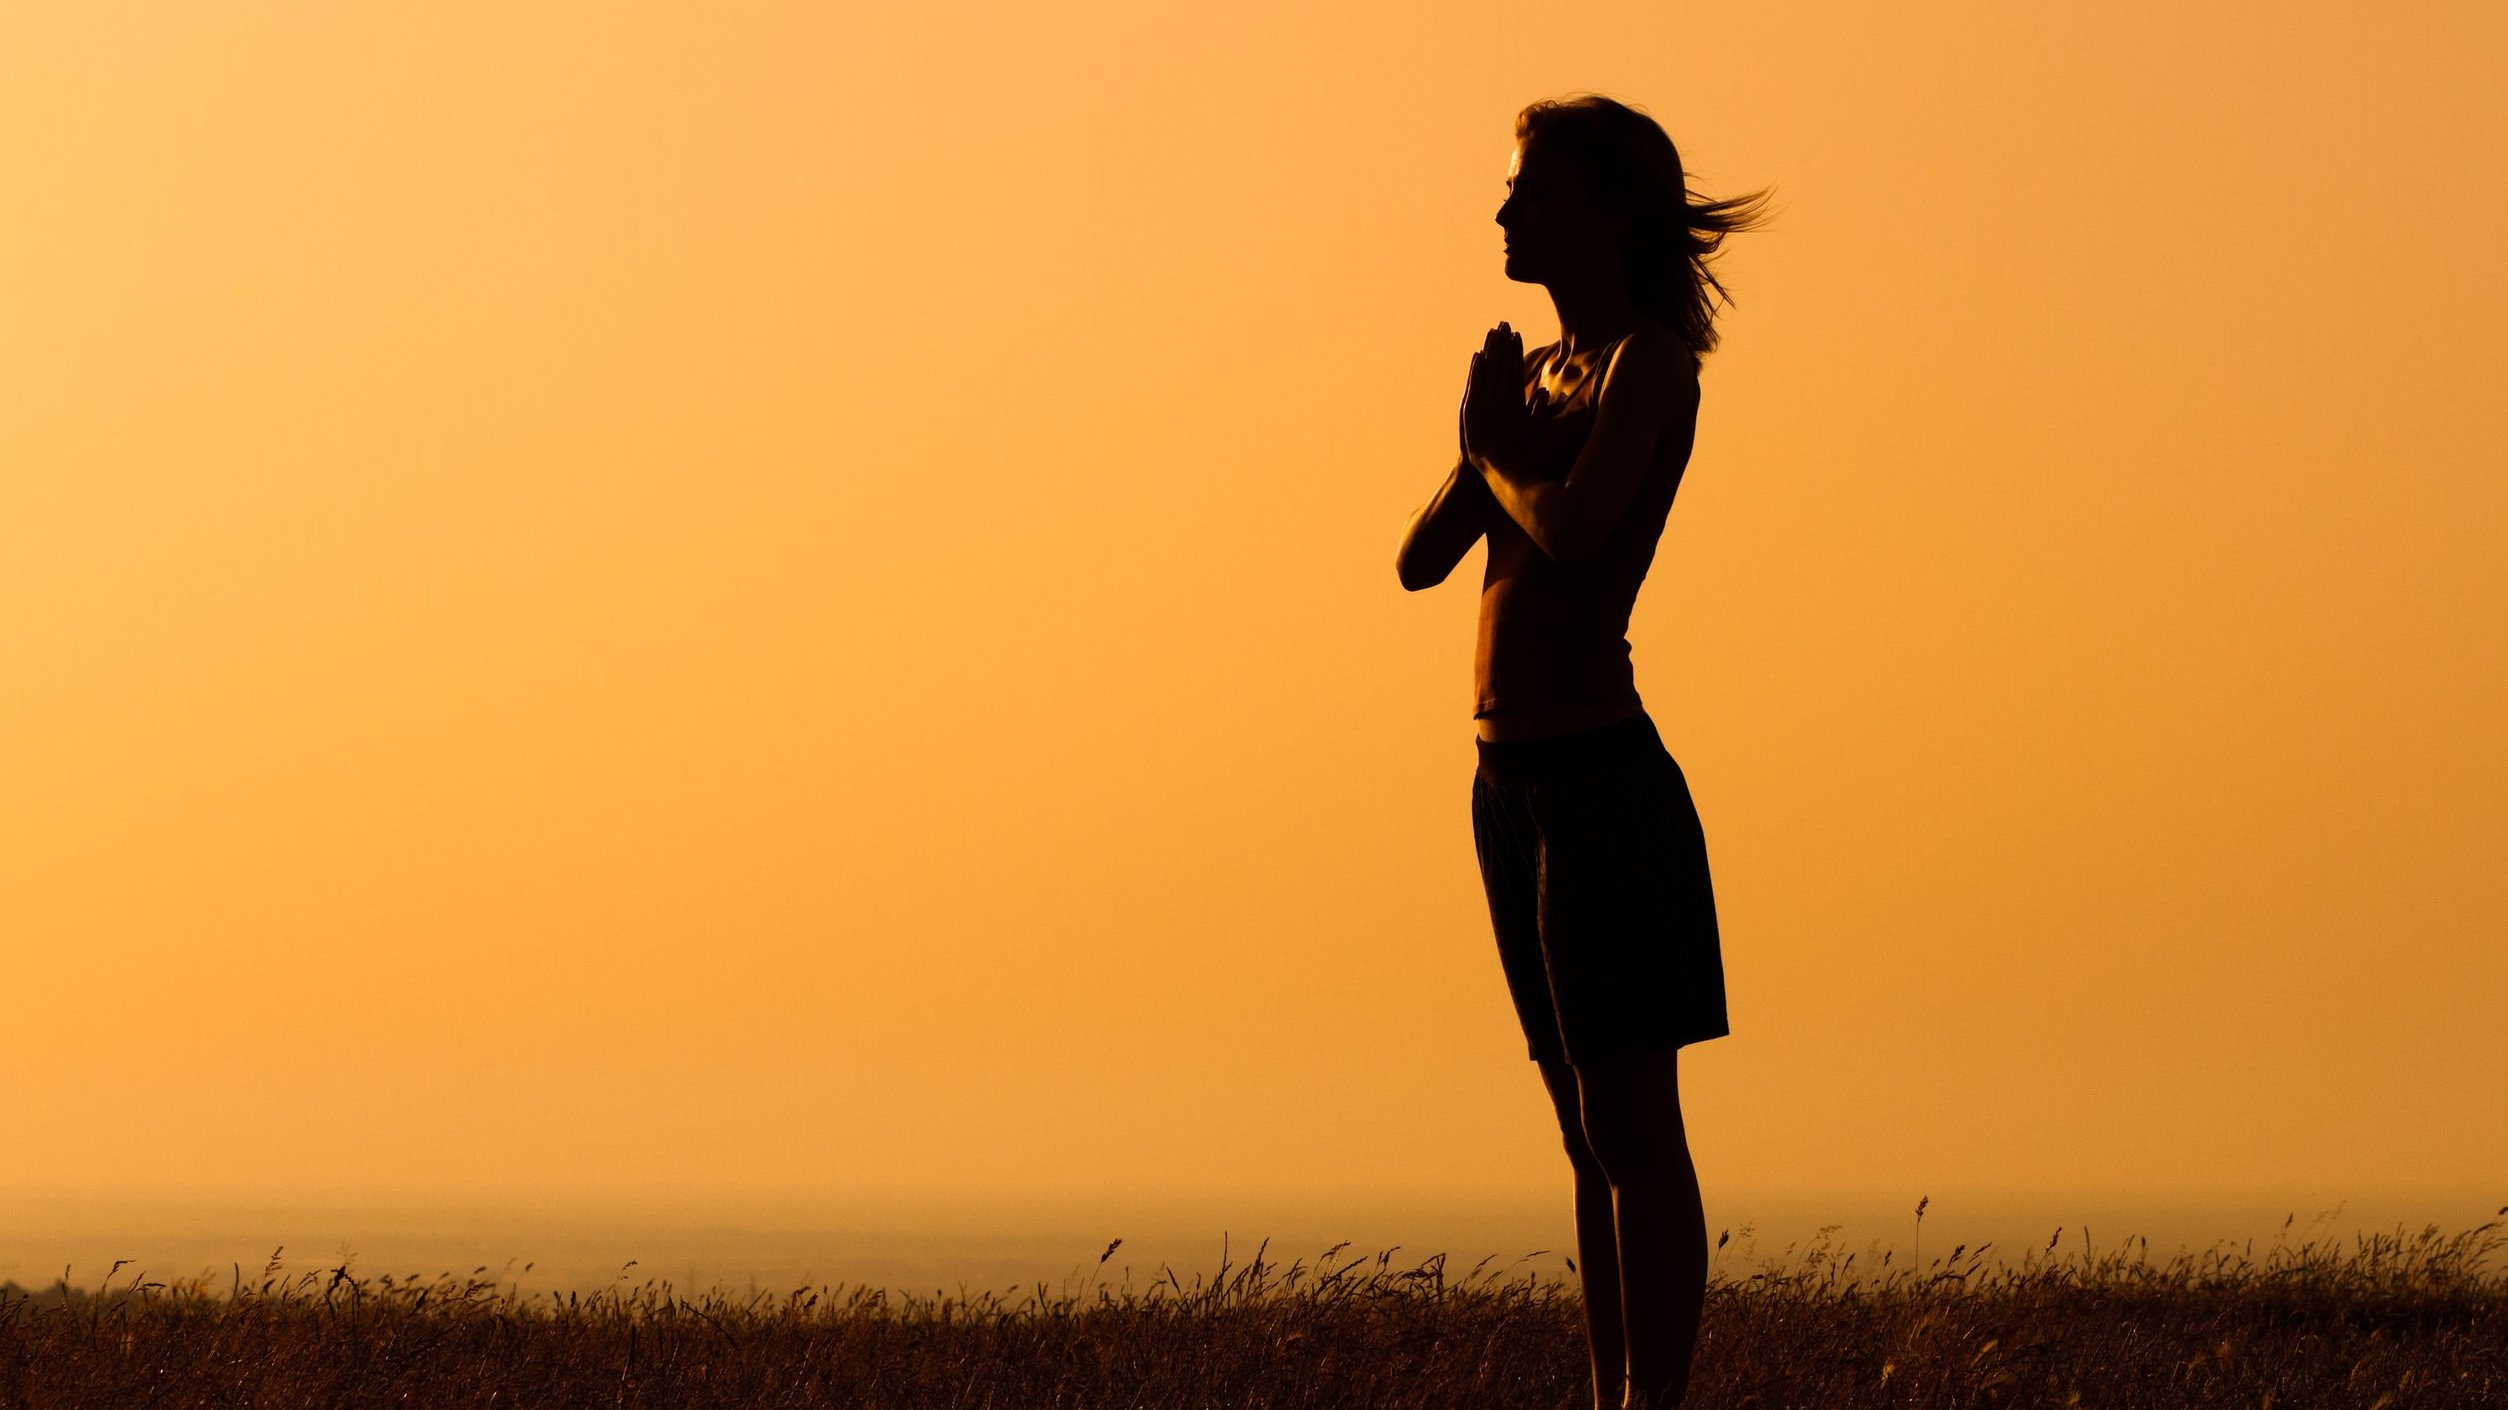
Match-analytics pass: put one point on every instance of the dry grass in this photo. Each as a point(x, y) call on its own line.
point(2381, 1323)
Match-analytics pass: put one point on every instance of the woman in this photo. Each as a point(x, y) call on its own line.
point(1591, 851)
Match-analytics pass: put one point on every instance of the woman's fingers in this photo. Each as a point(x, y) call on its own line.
point(1504, 345)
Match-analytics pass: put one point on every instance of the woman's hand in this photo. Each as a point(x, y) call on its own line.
point(1496, 423)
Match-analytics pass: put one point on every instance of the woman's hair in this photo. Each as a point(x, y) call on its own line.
point(1628, 164)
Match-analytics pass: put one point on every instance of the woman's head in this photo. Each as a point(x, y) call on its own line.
point(1597, 186)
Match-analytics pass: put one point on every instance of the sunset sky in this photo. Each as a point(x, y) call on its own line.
point(803, 594)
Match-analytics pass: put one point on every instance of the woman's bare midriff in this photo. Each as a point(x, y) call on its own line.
point(1553, 719)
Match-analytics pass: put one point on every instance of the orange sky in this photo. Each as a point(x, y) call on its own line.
point(776, 594)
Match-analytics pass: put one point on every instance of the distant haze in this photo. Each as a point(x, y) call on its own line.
point(537, 1242)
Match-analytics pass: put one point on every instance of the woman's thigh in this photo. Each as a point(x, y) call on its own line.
point(1567, 1101)
point(1631, 1106)
point(1510, 847)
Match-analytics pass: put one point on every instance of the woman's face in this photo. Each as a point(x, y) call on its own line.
point(1550, 224)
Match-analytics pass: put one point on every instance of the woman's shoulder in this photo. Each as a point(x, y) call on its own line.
point(1661, 342)
point(1657, 355)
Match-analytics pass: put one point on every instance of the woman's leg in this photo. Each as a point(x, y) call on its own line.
point(1597, 1240)
point(1632, 1117)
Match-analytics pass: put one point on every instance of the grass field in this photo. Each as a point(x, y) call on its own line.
point(2391, 1322)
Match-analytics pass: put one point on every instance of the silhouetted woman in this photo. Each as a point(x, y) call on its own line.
point(1590, 848)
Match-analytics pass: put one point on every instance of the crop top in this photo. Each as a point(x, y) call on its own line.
point(1556, 634)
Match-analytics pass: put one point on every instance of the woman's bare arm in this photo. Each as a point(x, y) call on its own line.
point(1444, 529)
point(1650, 380)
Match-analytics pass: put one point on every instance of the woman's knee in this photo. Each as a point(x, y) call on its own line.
point(1637, 1153)
point(1567, 1101)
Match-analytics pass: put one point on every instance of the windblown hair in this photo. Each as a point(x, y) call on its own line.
point(1629, 165)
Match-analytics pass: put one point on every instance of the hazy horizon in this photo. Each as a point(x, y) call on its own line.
point(905, 1243)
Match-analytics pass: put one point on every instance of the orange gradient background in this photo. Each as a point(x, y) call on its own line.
point(803, 596)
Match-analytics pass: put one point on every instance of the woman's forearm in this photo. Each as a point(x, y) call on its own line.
point(1538, 507)
point(1444, 529)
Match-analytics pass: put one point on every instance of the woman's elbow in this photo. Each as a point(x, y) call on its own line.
point(1564, 548)
point(1572, 540)
point(1419, 570)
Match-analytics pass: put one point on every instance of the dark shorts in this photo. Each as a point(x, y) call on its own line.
point(1596, 868)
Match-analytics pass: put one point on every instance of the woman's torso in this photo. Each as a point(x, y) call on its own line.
point(1552, 653)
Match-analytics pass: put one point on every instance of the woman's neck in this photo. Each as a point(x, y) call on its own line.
point(1591, 319)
